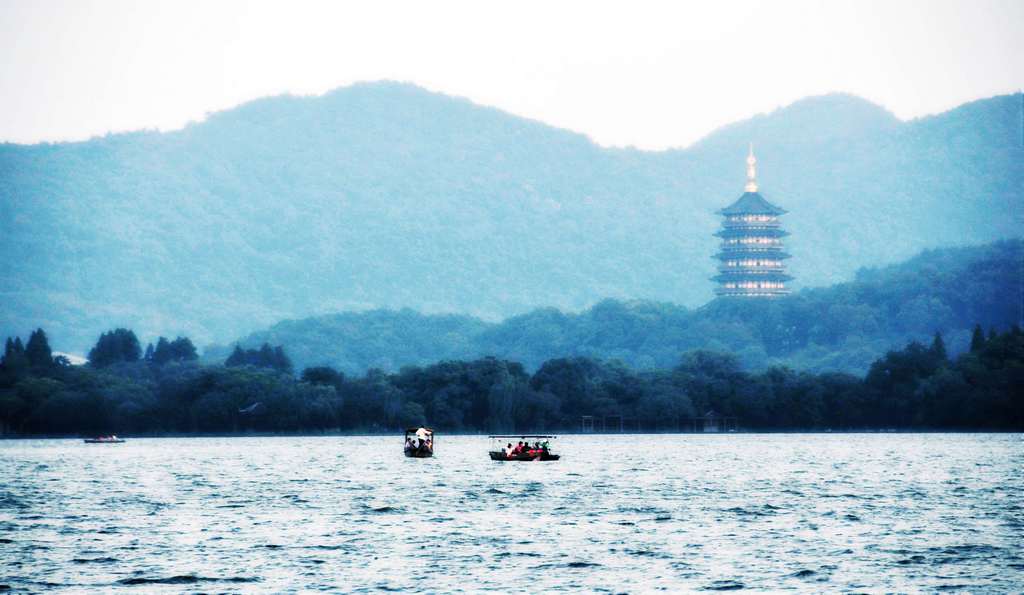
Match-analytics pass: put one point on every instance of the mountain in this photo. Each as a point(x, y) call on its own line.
point(844, 327)
point(384, 195)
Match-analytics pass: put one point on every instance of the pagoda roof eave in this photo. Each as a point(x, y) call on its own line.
point(752, 254)
point(734, 232)
point(751, 203)
point(752, 276)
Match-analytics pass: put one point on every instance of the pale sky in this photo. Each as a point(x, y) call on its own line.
point(647, 74)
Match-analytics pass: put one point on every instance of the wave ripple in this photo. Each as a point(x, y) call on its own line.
point(835, 513)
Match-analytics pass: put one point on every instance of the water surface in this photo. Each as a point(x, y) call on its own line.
point(885, 512)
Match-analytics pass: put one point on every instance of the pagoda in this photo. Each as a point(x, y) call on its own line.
point(751, 257)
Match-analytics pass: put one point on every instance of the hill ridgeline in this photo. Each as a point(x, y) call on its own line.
point(384, 195)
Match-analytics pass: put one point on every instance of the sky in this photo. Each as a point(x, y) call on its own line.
point(646, 74)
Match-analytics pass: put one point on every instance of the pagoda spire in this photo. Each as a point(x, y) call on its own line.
point(751, 170)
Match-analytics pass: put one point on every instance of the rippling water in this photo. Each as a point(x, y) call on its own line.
point(891, 512)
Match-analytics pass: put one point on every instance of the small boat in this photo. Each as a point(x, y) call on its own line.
point(504, 449)
point(111, 439)
point(419, 443)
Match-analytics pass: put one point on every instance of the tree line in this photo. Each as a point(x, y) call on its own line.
point(844, 327)
point(163, 389)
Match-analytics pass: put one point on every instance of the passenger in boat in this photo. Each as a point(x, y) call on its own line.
point(409, 444)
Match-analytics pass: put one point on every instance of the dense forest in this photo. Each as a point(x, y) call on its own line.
point(389, 196)
point(164, 389)
point(845, 327)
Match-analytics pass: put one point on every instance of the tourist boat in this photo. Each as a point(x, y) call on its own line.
point(504, 448)
point(419, 443)
point(111, 439)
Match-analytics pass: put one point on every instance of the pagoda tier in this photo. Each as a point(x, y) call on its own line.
point(745, 232)
point(752, 289)
point(752, 276)
point(751, 260)
point(761, 268)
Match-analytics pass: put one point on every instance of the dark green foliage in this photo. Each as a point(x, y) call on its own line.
point(237, 357)
point(178, 350)
point(356, 342)
point(323, 375)
point(15, 364)
point(118, 345)
point(841, 328)
point(163, 347)
point(912, 388)
point(385, 195)
point(280, 361)
point(264, 357)
point(938, 348)
point(487, 394)
point(977, 339)
point(182, 349)
point(38, 351)
point(898, 376)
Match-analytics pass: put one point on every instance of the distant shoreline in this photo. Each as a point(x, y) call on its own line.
point(398, 433)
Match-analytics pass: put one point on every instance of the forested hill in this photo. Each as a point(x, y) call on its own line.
point(386, 195)
point(844, 327)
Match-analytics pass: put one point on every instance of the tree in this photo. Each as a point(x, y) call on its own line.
point(938, 348)
point(38, 350)
point(13, 351)
point(264, 357)
point(15, 363)
point(118, 345)
point(977, 339)
point(323, 375)
point(709, 363)
point(281, 361)
point(178, 350)
point(184, 350)
point(237, 358)
point(162, 353)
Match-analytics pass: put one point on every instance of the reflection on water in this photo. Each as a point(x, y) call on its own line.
point(618, 513)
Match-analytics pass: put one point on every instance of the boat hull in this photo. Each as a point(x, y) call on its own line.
point(497, 455)
point(94, 441)
point(412, 454)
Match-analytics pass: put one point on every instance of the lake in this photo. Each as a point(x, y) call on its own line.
point(618, 513)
